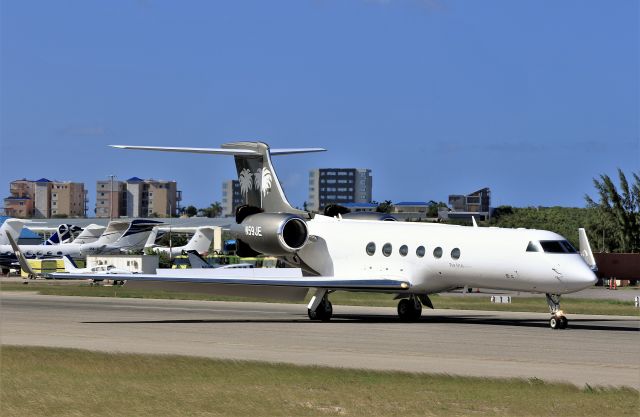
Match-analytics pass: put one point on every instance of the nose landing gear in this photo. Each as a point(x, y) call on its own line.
point(558, 319)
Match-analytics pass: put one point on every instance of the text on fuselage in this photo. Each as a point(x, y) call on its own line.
point(253, 231)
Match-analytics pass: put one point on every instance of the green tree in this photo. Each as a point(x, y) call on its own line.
point(385, 207)
point(172, 239)
point(190, 211)
point(618, 211)
point(562, 220)
point(434, 207)
point(214, 210)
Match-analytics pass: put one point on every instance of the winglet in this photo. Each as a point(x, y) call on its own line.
point(21, 259)
point(473, 219)
point(585, 249)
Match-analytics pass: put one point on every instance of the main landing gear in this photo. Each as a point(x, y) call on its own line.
point(320, 308)
point(558, 319)
point(410, 309)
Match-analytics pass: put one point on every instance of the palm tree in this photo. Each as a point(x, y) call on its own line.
point(216, 209)
point(619, 211)
point(385, 207)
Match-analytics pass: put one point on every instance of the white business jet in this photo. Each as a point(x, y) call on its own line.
point(119, 237)
point(411, 260)
point(199, 242)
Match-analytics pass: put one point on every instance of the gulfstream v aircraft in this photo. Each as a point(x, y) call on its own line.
point(411, 260)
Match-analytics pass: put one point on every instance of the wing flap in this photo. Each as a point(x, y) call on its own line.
point(276, 277)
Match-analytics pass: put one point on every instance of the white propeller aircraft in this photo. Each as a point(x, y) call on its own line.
point(352, 253)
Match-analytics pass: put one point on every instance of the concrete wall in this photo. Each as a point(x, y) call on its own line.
point(144, 264)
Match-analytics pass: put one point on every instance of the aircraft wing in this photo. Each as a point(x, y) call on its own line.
point(282, 277)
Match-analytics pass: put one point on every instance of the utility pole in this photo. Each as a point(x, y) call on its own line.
point(111, 198)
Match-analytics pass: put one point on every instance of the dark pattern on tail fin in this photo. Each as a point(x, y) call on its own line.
point(259, 183)
point(63, 234)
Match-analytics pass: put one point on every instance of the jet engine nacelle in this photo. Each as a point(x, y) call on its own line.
point(275, 234)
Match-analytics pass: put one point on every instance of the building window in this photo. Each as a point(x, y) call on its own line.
point(437, 252)
point(387, 249)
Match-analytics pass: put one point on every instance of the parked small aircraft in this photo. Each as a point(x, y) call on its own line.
point(119, 236)
point(199, 242)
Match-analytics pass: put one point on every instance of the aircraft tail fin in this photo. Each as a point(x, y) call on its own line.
point(136, 235)
point(196, 261)
point(585, 249)
point(64, 234)
point(115, 229)
point(69, 264)
point(89, 234)
point(259, 183)
point(201, 240)
point(22, 261)
point(151, 240)
point(10, 227)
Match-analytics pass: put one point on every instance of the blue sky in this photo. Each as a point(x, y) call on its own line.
point(530, 98)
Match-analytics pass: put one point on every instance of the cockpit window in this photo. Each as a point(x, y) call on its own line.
point(568, 247)
point(532, 247)
point(557, 246)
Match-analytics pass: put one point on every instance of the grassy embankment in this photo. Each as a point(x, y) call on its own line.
point(525, 304)
point(67, 382)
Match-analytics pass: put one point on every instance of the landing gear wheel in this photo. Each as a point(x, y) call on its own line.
point(323, 312)
point(563, 322)
point(409, 310)
point(558, 322)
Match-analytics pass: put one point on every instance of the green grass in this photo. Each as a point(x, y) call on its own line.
point(525, 304)
point(67, 382)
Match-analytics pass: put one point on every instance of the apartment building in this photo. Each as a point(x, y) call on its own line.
point(338, 186)
point(137, 197)
point(21, 200)
point(111, 199)
point(231, 197)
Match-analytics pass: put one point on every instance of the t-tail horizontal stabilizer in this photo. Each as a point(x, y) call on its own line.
point(259, 184)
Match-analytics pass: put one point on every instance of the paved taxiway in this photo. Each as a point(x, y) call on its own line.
point(598, 350)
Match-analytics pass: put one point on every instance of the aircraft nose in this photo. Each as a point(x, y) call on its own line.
point(583, 277)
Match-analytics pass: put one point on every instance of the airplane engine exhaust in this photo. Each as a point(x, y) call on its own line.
point(274, 234)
